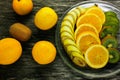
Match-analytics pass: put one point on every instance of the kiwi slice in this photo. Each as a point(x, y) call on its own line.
point(112, 19)
point(114, 55)
point(110, 13)
point(113, 25)
point(110, 42)
point(107, 30)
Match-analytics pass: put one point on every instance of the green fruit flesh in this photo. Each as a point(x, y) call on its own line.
point(107, 30)
point(114, 55)
point(114, 26)
point(110, 13)
point(110, 42)
point(111, 18)
point(111, 25)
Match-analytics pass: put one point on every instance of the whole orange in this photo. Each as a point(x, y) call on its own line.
point(45, 18)
point(44, 52)
point(22, 7)
point(10, 51)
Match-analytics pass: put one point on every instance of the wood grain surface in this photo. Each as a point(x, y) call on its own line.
point(26, 68)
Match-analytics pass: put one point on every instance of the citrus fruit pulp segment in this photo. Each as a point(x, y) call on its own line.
point(98, 11)
point(85, 40)
point(97, 56)
point(92, 19)
point(85, 27)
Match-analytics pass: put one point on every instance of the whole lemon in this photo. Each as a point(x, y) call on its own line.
point(45, 18)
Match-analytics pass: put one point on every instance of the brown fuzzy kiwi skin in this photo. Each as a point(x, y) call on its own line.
point(20, 31)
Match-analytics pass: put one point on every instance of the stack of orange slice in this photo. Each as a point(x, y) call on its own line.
point(88, 27)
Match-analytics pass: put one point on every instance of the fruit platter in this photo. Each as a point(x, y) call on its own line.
point(87, 39)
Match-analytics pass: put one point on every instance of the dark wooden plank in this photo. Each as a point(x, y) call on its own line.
point(26, 68)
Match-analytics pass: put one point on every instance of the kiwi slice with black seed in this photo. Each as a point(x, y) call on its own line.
point(110, 42)
point(107, 30)
point(111, 20)
point(114, 25)
point(114, 55)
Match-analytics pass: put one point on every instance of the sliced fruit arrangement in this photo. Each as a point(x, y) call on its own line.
point(92, 19)
point(89, 36)
point(98, 11)
point(111, 25)
point(67, 36)
point(85, 27)
point(85, 40)
point(108, 36)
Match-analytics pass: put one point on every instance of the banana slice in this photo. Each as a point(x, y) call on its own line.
point(67, 36)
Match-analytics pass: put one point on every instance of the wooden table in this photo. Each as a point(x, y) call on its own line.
point(26, 68)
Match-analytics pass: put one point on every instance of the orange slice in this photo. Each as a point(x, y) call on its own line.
point(98, 11)
point(85, 27)
point(87, 39)
point(92, 19)
point(97, 56)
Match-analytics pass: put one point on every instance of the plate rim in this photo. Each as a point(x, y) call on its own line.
point(57, 35)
